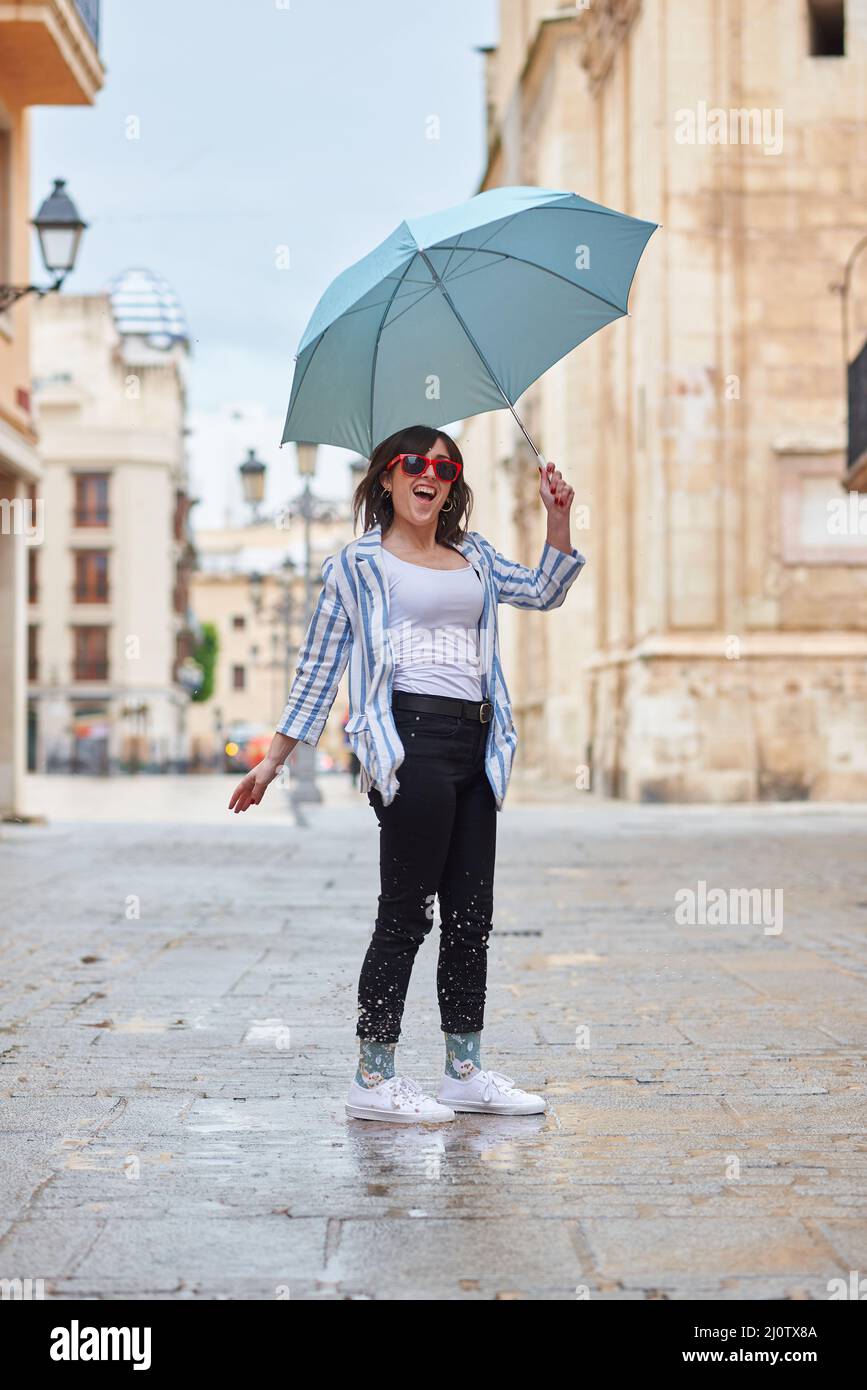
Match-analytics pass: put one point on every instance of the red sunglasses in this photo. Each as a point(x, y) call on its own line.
point(414, 465)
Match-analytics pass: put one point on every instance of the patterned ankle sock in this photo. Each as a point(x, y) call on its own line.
point(463, 1054)
point(375, 1063)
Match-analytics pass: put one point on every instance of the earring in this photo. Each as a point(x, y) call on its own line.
point(449, 508)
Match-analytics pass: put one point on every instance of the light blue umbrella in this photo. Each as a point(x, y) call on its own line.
point(458, 313)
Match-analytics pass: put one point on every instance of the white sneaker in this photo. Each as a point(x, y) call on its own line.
point(491, 1093)
point(397, 1100)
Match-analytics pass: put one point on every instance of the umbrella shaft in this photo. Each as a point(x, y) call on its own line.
point(488, 369)
point(540, 457)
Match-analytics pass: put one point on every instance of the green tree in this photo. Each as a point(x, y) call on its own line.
point(206, 655)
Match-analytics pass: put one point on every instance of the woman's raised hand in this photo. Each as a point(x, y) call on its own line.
point(554, 491)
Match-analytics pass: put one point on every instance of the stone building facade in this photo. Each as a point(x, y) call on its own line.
point(49, 56)
point(250, 586)
point(110, 628)
point(715, 647)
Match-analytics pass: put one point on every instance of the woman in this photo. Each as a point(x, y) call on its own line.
point(411, 606)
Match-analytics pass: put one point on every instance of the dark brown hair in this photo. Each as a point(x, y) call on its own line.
point(374, 501)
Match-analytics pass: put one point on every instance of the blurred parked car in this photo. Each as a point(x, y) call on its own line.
point(245, 746)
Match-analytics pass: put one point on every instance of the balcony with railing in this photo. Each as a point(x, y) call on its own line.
point(89, 11)
point(49, 53)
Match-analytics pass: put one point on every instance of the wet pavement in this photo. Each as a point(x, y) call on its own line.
point(177, 1035)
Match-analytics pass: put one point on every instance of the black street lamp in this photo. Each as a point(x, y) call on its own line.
point(252, 472)
point(256, 582)
point(59, 227)
point(303, 786)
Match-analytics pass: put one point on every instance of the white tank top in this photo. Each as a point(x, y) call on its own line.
point(433, 628)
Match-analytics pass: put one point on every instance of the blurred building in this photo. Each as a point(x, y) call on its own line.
point(110, 629)
point(250, 585)
point(715, 647)
point(48, 57)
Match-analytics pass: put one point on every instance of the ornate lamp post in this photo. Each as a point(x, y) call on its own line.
point(303, 786)
point(252, 472)
point(285, 613)
point(253, 483)
point(307, 469)
point(59, 227)
point(256, 581)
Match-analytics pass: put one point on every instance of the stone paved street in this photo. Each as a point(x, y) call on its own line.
point(178, 1032)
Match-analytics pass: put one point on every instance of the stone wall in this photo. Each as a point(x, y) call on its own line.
point(714, 647)
point(704, 729)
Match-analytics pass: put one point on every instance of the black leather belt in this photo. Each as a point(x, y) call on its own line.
point(476, 711)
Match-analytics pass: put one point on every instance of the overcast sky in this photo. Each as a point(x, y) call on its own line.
point(263, 124)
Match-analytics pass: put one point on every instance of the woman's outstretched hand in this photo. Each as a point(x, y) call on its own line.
point(554, 491)
point(253, 786)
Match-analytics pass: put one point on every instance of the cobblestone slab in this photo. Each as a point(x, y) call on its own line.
point(177, 1032)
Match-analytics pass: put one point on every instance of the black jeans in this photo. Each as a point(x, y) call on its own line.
point(437, 839)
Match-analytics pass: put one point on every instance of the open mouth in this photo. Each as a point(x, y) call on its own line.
point(424, 492)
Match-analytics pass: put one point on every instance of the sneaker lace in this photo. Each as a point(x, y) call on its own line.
point(402, 1090)
point(492, 1081)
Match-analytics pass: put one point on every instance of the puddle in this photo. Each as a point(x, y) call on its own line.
point(137, 1024)
point(563, 958)
point(268, 1032)
point(221, 1117)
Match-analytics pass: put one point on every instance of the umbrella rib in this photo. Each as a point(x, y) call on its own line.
point(451, 253)
point(420, 300)
point(293, 400)
point(496, 232)
point(461, 274)
point(588, 212)
point(508, 256)
point(481, 355)
point(357, 310)
point(401, 278)
point(420, 292)
point(451, 303)
point(379, 335)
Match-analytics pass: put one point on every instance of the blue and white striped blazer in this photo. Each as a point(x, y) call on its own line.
point(350, 624)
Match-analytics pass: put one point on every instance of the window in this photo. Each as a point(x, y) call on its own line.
point(32, 652)
point(90, 653)
point(238, 678)
point(827, 28)
point(32, 575)
point(820, 524)
point(91, 499)
point(183, 505)
point(239, 622)
point(91, 576)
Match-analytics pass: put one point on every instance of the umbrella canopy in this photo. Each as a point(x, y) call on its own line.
point(459, 312)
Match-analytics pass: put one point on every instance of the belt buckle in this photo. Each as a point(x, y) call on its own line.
point(483, 707)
